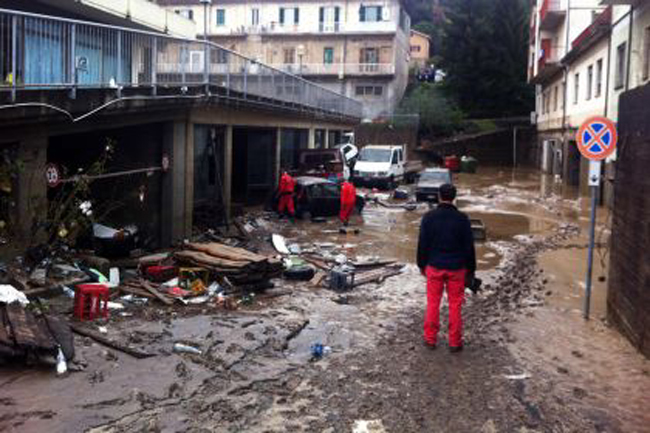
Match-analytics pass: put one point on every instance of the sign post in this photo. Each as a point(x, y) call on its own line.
point(596, 140)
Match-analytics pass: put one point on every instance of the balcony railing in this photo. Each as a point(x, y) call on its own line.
point(339, 69)
point(43, 52)
point(550, 54)
point(551, 13)
point(309, 28)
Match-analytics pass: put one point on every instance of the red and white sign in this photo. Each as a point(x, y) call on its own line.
point(52, 175)
point(597, 138)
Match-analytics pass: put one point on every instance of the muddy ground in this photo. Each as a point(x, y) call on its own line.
point(530, 364)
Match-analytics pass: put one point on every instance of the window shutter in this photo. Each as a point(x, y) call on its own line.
point(321, 15)
point(362, 13)
point(296, 16)
point(361, 52)
point(384, 13)
point(281, 15)
point(337, 14)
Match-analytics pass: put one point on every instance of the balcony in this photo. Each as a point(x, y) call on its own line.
point(548, 62)
point(50, 53)
point(275, 28)
point(551, 14)
point(338, 69)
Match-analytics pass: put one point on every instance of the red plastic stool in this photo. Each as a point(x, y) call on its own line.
point(91, 301)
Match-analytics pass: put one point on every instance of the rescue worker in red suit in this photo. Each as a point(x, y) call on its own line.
point(348, 200)
point(286, 191)
point(446, 256)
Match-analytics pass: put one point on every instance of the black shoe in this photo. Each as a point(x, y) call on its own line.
point(455, 349)
point(429, 345)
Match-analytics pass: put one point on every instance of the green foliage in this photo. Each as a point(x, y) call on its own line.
point(484, 53)
point(439, 115)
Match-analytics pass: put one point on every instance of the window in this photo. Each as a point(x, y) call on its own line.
point(289, 16)
point(646, 54)
point(555, 97)
point(328, 55)
point(369, 90)
point(590, 80)
point(576, 87)
point(187, 13)
point(370, 14)
point(415, 48)
point(619, 77)
point(255, 16)
point(221, 17)
point(369, 55)
point(329, 18)
point(289, 56)
point(599, 78)
point(394, 160)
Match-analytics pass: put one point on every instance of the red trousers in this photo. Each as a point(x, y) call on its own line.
point(286, 204)
point(437, 279)
point(346, 212)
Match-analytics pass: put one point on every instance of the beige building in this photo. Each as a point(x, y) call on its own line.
point(359, 49)
point(420, 49)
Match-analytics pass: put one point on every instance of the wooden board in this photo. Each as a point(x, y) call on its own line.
point(26, 332)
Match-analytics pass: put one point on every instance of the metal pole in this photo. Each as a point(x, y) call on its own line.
point(590, 259)
point(14, 57)
point(514, 147)
point(73, 60)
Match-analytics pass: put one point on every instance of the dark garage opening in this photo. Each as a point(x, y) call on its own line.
point(120, 201)
point(253, 162)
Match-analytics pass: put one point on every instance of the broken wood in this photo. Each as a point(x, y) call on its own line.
point(136, 353)
point(151, 289)
point(26, 331)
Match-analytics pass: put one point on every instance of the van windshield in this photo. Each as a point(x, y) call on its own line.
point(375, 155)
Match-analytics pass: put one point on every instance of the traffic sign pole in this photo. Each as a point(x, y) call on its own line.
point(596, 141)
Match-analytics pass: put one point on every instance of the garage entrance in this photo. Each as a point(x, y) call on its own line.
point(253, 160)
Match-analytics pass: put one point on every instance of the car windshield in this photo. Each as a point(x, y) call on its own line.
point(435, 176)
point(375, 155)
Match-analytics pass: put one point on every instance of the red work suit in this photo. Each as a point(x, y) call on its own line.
point(286, 189)
point(348, 199)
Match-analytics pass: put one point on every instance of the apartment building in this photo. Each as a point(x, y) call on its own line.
point(581, 61)
point(357, 48)
point(420, 49)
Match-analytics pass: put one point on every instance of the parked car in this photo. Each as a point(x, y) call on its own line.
point(332, 164)
point(384, 166)
point(429, 183)
point(318, 197)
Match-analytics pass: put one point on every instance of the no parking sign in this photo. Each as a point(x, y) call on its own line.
point(597, 138)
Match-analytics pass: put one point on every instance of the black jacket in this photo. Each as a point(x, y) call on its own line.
point(446, 240)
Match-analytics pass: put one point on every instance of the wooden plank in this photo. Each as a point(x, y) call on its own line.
point(5, 332)
point(151, 289)
point(136, 291)
point(26, 331)
point(136, 353)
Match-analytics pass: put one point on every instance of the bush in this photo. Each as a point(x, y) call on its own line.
point(439, 115)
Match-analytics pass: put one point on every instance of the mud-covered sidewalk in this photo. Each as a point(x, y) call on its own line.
point(530, 364)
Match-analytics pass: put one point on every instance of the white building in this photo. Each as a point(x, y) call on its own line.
point(357, 48)
point(580, 62)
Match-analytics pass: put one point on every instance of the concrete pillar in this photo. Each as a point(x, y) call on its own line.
point(227, 170)
point(31, 197)
point(311, 144)
point(189, 176)
point(327, 139)
point(278, 155)
point(174, 183)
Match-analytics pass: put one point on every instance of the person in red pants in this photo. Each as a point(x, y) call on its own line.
point(445, 256)
point(348, 200)
point(286, 190)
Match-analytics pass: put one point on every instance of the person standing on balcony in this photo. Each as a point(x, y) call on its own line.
point(445, 256)
point(348, 200)
point(286, 190)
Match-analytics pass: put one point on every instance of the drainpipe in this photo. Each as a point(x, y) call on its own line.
point(629, 49)
point(607, 71)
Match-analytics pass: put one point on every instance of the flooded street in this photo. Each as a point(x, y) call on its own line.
point(531, 362)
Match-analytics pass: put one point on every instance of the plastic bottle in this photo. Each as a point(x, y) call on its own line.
point(61, 365)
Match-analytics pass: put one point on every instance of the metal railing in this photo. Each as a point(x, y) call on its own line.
point(337, 68)
point(44, 52)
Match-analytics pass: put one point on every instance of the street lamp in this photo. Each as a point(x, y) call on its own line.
point(206, 52)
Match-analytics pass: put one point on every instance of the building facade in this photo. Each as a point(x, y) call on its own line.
point(583, 55)
point(359, 49)
point(420, 49)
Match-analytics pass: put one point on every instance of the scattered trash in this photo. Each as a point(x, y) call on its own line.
point(341, 278)
point(295, 249)
point(280, 244)
point(521, 376)
point(114, 277)
point(373, 426)
point(184, 348)
point(318, 351)
point(67, 291)
point(102, 329)
point(114, 305)
point(9, 294)
point(401, 194)
point(61, 365)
